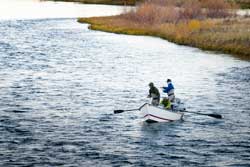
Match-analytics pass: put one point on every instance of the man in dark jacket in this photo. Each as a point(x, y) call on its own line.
point(154, 94)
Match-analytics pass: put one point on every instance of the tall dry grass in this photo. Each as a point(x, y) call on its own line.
point(206, 24)
point(160, 11)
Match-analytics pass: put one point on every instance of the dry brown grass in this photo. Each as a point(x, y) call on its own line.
point(211, 29)
point(159, 11)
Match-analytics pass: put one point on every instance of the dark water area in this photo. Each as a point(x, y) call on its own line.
point(60, 82)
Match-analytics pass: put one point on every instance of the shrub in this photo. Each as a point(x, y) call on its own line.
point(144, 13)
point(162, 11)
point(216, 8)
point(191, 9)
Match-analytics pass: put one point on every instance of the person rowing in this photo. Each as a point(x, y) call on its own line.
point(154, 94)
point(169, 89)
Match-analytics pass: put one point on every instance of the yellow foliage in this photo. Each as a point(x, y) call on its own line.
point(182, 30)
point(194, 25)
point(208, 24)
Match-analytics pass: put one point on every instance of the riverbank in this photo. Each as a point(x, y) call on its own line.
point(220, 32)
point(227, 36)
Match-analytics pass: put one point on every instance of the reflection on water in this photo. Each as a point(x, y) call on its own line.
point(33, 9)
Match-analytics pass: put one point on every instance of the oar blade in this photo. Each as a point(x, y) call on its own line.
point(118, 111)
point(218, 116)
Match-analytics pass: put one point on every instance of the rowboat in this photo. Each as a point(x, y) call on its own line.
point(152, 114)
point(158, 113)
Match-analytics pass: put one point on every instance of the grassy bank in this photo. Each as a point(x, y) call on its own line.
point(227, 36)
point(215, 31)
point(108, 2)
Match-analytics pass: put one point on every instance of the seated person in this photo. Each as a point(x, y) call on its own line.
point(166, 103)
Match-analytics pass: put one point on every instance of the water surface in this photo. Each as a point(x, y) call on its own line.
point(37, 9)
point(60, 82)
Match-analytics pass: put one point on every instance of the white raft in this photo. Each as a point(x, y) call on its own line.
point(152, 113)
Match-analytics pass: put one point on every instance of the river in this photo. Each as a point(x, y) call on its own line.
point(60, 82)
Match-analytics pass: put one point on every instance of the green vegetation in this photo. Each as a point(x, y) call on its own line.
point(244, 4)
point(209, 25)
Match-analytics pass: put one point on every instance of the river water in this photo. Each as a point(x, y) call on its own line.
point(60, 82)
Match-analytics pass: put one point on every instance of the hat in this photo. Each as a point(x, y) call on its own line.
point(151, 84)
point(169, 80)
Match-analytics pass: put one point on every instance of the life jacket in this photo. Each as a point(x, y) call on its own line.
point(170, 91)
point(166, 103)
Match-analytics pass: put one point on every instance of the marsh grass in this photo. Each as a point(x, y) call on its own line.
point(206, 26)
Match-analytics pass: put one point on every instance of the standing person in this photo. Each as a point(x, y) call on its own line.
point(154, 94)
point(169, 89)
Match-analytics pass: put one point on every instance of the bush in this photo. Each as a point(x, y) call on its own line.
point(216, 8)
point(191, 9)
point(162, 11)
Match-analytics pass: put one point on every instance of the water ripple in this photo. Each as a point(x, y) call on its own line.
point(60, 82)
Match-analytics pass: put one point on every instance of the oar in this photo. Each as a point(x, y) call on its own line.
point(218, 116)
point(121, 111)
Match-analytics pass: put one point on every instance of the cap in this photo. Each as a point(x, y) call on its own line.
point(151, 84)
